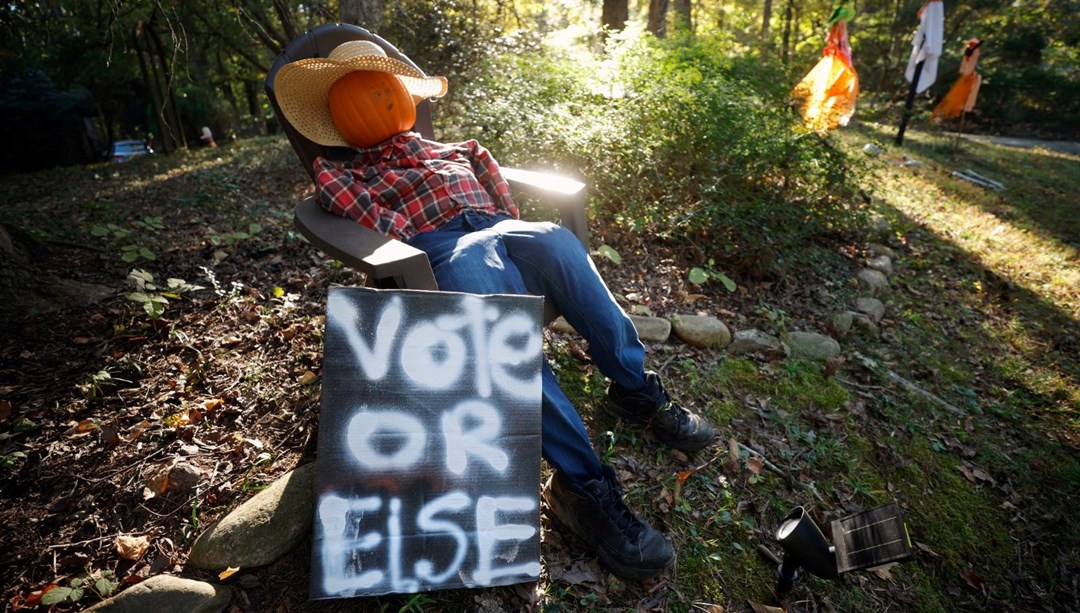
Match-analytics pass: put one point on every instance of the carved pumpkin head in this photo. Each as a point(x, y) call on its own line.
point(369, 107)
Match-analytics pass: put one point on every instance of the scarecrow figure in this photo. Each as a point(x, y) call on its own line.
point(926, 46)
point(828, 92)
point(451, 201)
point(962, 95)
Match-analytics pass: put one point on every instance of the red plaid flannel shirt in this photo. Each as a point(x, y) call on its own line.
point(407, 185)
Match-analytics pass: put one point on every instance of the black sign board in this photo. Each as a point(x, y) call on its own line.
point(871, 538)
point(429, 443)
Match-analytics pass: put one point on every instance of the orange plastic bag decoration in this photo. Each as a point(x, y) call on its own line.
point(828, 92)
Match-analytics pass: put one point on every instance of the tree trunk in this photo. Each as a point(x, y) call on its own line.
point(766, 17)
point(658, 17)
point(364, 13)
point(285, 17)
point(684, 18)
point(615, 14)
point(785, 52)
point(892, 56)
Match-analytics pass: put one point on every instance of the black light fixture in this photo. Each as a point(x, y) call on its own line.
point(863, 540)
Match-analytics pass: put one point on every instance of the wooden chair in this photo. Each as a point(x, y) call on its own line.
point(387, 262)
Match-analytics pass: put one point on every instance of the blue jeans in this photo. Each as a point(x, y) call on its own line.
point(480, 254)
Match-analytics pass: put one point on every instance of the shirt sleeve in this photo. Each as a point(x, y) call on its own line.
point(487, 173)
point(338, 191)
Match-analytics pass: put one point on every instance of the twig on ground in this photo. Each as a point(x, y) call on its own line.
point(785, 475)
point(873, 366)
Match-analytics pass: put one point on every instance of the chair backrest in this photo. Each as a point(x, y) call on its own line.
point(319, 43)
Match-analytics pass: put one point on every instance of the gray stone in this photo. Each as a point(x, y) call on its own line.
point(701, 331)
point(873, 281)
point(882, 264)
point(876, 249)
point(880, 228)
point(842, 322)
point(264, 528)
point(864, 325)
point(652, 329)
point(562, 326)
point(753, 341)
point(812, 346)
point(872, 307)
point(184, 477)
point(168, 594)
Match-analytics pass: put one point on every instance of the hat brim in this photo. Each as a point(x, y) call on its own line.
point(303, 87)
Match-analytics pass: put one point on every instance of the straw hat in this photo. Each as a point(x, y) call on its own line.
point(303, 87)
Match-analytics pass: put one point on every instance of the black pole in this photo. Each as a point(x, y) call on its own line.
point(910, 102)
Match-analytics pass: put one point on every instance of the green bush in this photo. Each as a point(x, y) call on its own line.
point(678, 139)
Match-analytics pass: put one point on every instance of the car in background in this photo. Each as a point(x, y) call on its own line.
point(124, 150)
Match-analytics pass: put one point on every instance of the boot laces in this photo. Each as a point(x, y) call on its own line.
point(624, 519)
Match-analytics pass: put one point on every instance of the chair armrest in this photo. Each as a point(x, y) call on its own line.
point(566, 195)
point(386, 261)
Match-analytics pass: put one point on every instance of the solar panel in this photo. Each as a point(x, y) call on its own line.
point(871, 538)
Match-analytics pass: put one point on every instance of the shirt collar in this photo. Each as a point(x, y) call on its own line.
point(405, 144)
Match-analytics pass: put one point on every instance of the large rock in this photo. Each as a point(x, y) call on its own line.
point(701, 331)
point(873, 308)
point(812, 346)
point(753, 341)
point(879, 249)
point(168, 594)
point(873, 281)
point(841, 323)
point(882, 264)
point(560, 325)
point(264, 528)
point(864, 325)
point(652, 329)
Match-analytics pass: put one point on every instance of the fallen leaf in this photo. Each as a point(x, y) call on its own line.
point(679, 455)
point(160, 564)
point(110, 436)
point(80, 340)
point(685, 474)
point(764, 608)
point(211, 405)
point(187, 417)
point(137, 430)
point(900, 594)
point(82, 427)
point(308, 377)
point(132, 547)
point(5, 409)
point(967, 473)
point(926, 549)
point(973, 580)
point(156, 484)
point(228, 572)
point(579, 573)
point(883, 571)
point(231, 340)
point(754, 465)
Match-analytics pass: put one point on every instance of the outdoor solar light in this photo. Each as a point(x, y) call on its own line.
point(863, 540)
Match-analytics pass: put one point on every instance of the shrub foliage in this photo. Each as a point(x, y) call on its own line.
point(678, 139)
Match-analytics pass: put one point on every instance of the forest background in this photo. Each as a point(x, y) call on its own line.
point(75, 76)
